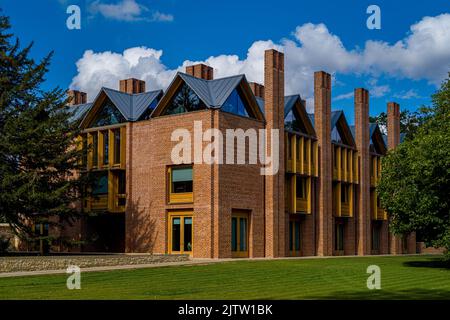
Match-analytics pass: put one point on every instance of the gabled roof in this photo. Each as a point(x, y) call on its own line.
point(131, 106)
point(335, 115)
point(373, 129)
point(290, 103)
point(214, 93)
point(79, 111)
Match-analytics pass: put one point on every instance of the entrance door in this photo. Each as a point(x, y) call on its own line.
point(180, 232)
point(239, 235)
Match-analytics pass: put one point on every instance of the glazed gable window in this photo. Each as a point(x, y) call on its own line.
point(185, 100)
point(108, 115)
point(235, 104)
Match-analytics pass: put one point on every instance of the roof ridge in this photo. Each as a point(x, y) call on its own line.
point(223, 78)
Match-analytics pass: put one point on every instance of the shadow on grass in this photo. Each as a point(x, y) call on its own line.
point(431, 263)
point(410, 294)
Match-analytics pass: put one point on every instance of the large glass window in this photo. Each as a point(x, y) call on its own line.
point(336, 135)
point(305, 150)
point(95, 149)
point(181, 179)
point(187, 234)
point(339, 237)
point(121, 187)
point(235, 104)
point(185, 100)
point(100, 185)
point(116, 146)
point(239, 235)
point(376, 237)
point(105, 136)
point(294, 236)
point(344, 193)
point(84, 142)
point(301, 188)
point(176, 234)
point(108, 115)
point(234, 240)
point(292, 122)
point(181, 231)
point(289, 147)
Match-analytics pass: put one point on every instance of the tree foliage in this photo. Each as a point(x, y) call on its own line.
point(409, 121)
point(38, 158)
point(415, 179)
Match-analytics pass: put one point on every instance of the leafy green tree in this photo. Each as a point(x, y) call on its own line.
point(38, 157)
point(409, 121)
point(415, 179)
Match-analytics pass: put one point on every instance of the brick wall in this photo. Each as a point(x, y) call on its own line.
point(322, 119)
point(276, 219)
point(362, 139)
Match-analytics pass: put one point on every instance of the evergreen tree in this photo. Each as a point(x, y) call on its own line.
point(39, 157)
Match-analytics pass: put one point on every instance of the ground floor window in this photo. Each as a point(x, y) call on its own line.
point(180, 232)
point(239, 235)
point(294, 237)
point(376, 237)
point(339, 237)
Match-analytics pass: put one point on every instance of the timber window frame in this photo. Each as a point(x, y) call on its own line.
point(176, 194)
point(177, 243)
point(240, 229)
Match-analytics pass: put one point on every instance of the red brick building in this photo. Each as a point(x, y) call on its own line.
point(321, 201)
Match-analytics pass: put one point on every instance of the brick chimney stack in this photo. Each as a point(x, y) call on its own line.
point(276, 220)
point(362, 139)
point(257, 89)
point(201, 71)
point(393, 133)
point(132, 86)
point(76, 97)
point(322, 123)
point(393, 125)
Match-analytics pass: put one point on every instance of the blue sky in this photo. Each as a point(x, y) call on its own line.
point(314, 35)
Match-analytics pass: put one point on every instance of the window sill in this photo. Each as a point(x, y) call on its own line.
point(185, 197)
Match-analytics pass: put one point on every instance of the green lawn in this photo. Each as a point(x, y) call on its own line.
point(413, 277)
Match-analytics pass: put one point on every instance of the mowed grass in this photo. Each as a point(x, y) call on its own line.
point(404, 277)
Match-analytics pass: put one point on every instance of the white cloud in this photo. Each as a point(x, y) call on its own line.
point(410, 94)
point(163, 17)
point(344, 96)
point(376, 90)
point(127, 10)
point(423, 54)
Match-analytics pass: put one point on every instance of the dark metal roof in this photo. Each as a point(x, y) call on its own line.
point(215, 92)
point(79, 111)
point(335, 115)
point(289, 102)
point(132, 106)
